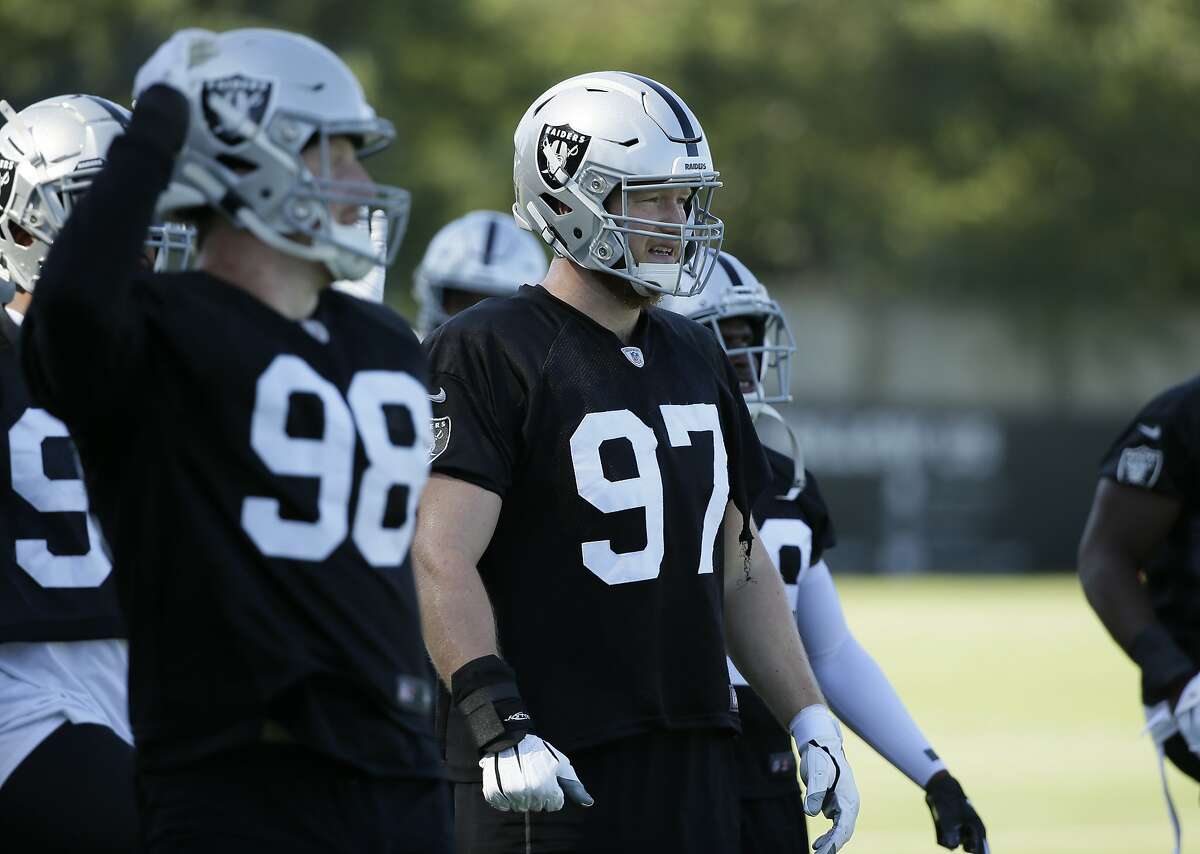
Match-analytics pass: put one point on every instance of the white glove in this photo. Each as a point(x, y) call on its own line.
point(828, 781)
point(530, 777)
point(172, 64)
point(1187, 714)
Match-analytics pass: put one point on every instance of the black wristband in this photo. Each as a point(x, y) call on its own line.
point(1164, 664)
point(161, 118)
point(485, 692)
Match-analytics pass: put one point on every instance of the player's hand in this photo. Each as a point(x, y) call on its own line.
point(955, 821)
point(1187, 714)
point(828, 781)
point(531, 776)
point(175, 60)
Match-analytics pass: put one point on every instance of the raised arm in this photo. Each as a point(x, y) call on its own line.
point(81, 336)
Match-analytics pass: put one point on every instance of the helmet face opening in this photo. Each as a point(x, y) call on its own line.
point(763, 362)
point(751, 327)
point(696, 240)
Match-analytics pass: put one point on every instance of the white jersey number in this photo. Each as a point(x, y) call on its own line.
point(645, 490)
point(330, 459)
point(52, 495)
point(779, 534)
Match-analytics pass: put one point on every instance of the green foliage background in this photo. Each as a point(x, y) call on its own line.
point(1035, 152)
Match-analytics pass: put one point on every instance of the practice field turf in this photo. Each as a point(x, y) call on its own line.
point(1031, 705)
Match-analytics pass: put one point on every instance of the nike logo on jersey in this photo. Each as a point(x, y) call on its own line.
point(517, 716)
point(1152, 433)
point(440, 397)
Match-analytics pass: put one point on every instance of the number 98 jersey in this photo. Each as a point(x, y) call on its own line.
point(257, 479)
point(615, 465)
point(56, 580)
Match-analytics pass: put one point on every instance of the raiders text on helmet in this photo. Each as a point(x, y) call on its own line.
point(259, 97)
point(600, 137)
point(49, 154)
point(483, 252)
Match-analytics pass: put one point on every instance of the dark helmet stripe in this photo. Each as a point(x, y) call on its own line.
point(490, 244)
point(686, 131)
point(119, 115)
point(729, 269)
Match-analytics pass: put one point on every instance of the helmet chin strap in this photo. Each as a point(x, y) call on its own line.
point(798, 477)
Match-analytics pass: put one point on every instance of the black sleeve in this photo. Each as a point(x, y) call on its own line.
point(1156, 450)
point(81, 340)
point(749, 471)
point(478, 400)
point(824, 535)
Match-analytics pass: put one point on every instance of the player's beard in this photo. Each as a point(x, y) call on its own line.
point(622, 290)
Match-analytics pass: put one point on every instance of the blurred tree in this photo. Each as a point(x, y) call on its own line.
point(1035, 152)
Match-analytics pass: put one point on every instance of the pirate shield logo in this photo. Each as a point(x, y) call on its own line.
point(247, 98)
point(441, 437)
point(560, 151)
point(1140, 466)
point(8, 176)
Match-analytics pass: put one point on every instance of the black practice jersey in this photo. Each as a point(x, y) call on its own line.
point(615, 464)
point(796, 531)
point(56, 581)
point(1160, 451)
point(257, 480)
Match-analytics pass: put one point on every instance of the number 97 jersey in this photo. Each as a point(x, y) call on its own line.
point(615, 463)
point(56, 581)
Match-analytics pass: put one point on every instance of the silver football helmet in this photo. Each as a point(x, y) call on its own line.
point(763, 363)
point(49, 154)
point(483, 252)
point(606, 133)
point(258, 99)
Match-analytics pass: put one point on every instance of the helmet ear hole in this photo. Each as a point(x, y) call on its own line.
point(20, 236)
point(559, 207)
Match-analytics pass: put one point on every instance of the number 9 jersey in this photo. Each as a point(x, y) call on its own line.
point(615, 464)
point(56, 580)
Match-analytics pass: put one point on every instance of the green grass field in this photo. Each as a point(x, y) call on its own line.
point(1030, 703)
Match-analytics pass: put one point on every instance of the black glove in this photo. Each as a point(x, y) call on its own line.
point(485, 691)
point(954, 819)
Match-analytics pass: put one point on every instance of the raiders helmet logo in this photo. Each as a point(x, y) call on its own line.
point(560, 150)
point(441, 437)
point(8, 177)
point(1140, 466)
point(249, 98)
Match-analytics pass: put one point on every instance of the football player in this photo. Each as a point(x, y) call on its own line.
point(255, 444)
point(589, 513)
point(479, 255)
point(796, 529)
point(1138, 562)
point(66, 760)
